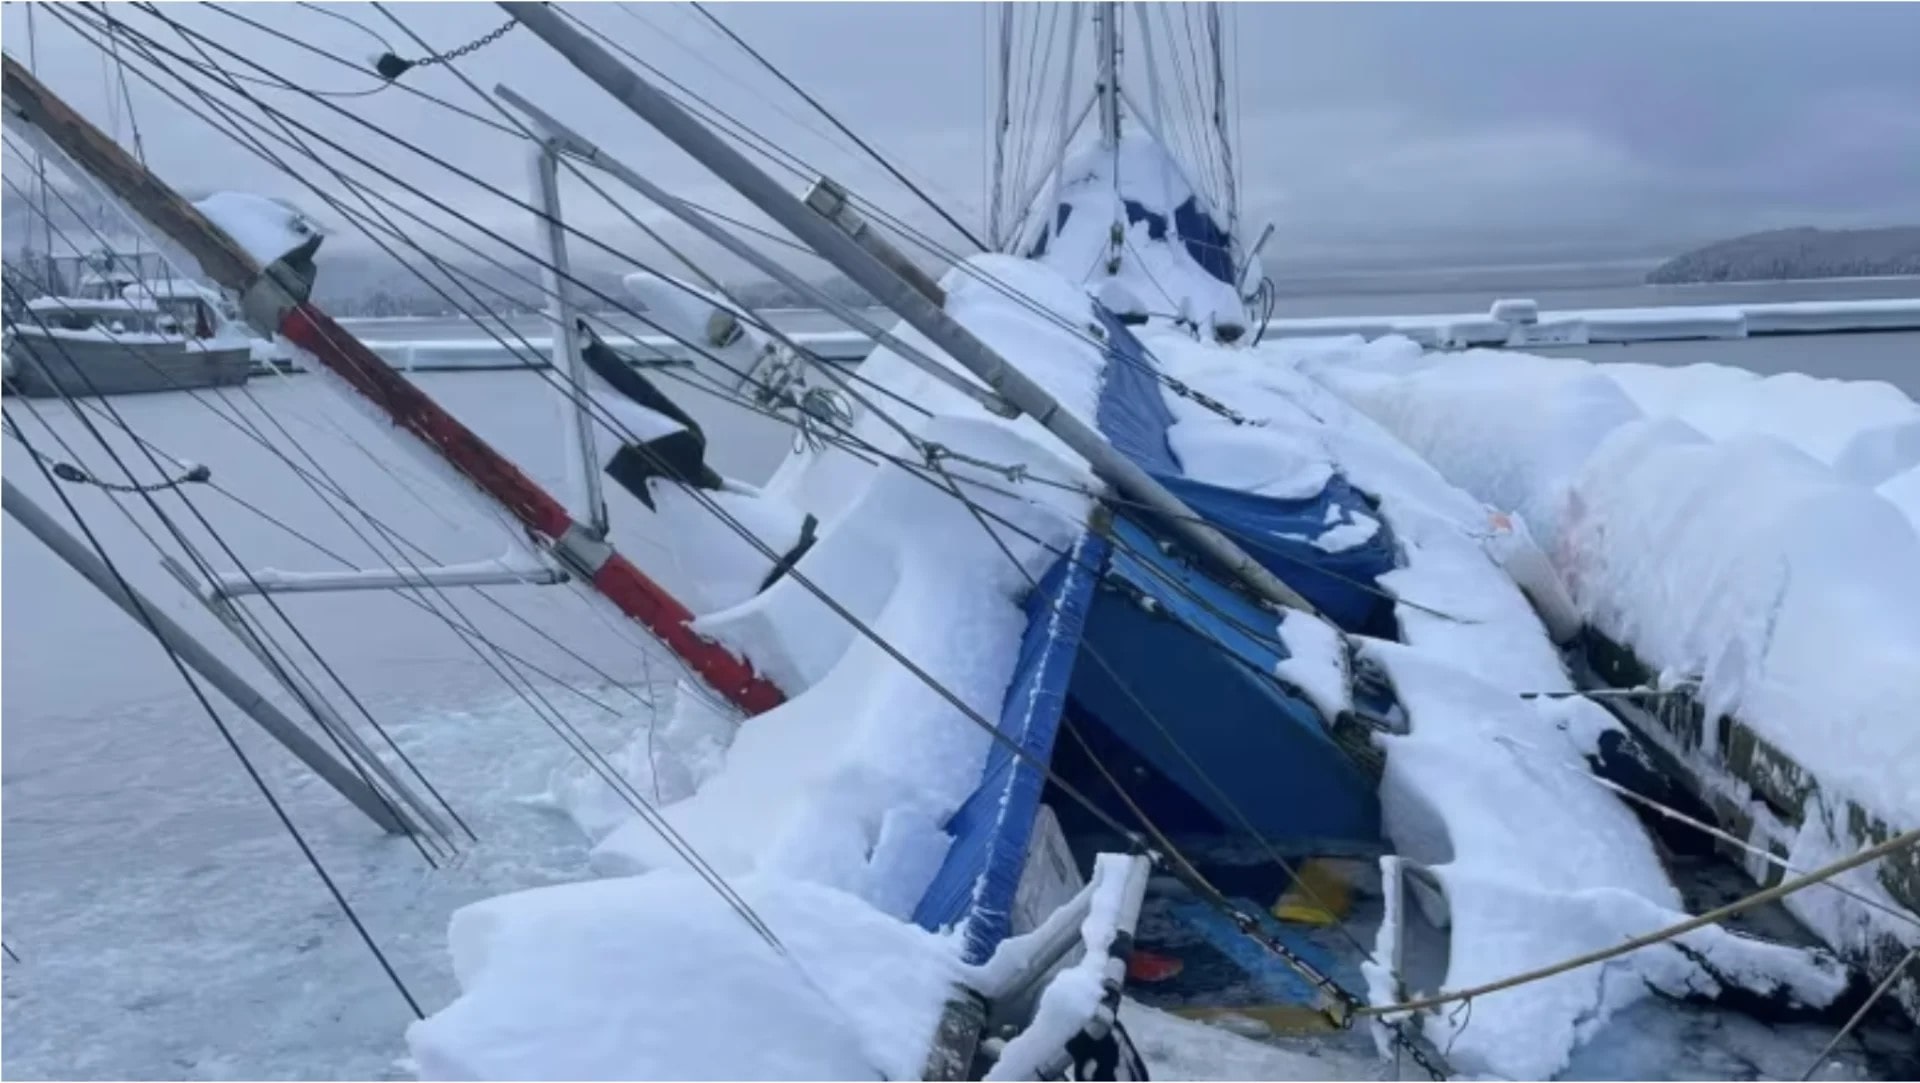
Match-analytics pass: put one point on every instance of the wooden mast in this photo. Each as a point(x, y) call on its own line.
point(274, 299)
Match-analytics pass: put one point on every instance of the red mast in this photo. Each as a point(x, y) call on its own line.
point(274, 299)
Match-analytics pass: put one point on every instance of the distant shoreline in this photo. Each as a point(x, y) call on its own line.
point(1797, 255)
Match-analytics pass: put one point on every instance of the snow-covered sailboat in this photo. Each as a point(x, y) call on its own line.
point(1012, 698)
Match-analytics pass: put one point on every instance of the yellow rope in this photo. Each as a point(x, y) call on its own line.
point(1780, 890)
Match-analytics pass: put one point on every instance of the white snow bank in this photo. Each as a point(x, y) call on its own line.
point(1508, 430)
point(1903, 491)
point(655, 977)
point(1454, 600)
point(1794, 595)
point(1538, 867)
point(1316, 663)
point(1866, 429)
point(265, 228)
point(1791, 589)
point(850, 782)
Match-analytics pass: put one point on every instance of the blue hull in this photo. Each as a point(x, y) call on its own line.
point(1125, 639)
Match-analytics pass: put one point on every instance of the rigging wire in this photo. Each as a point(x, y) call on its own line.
point(266, 640)
point(226, 734)
point(261, 637)
point(801, 577)
point(597, 762)
point(723, 364)
point(505, 678)
point(752, 141)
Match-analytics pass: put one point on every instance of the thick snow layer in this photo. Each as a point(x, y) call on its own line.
point(1903, 491)
point(1793, 594)
point(1789, 587)
point(655, 977)
point(1453, 599)
point(1537, 868)
point(1534, 866)
point(1316, 663)
point(1452, 413)
point(265, 228)
point(1157, 274)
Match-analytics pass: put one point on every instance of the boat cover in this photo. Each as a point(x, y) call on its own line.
point(974, 889)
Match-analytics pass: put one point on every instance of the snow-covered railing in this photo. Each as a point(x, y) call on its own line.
point(1519, 322)
point(430, 355)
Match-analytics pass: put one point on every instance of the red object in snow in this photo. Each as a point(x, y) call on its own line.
point(1148, 967)
point(615, 577)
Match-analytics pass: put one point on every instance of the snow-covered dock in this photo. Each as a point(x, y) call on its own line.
point(1520, 323)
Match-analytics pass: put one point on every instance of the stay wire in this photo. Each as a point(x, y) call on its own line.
point(543, 709)
point(747, 534)
point(272, 651)
point(596, 761)
point(778, 335)
point(618, 305)
point(226, 734)
point(206, 568)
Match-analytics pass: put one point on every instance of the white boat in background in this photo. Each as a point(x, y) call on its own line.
point(119, 333)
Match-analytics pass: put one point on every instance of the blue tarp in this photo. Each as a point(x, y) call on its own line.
point(1200, 662)
point(1264, 744)
point(975, 885)
point(1205, 241)
point(1279, 533)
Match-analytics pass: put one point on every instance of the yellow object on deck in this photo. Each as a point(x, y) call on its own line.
point(1319, 897)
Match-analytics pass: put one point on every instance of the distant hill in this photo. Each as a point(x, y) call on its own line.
point(1798, 253)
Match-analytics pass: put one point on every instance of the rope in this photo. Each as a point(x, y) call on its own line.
point(1738, 906)
point(1873, 998)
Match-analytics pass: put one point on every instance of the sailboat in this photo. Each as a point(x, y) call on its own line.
point(1074, 632)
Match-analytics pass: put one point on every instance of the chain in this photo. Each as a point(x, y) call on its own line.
point(391, 67)
point(68, 472)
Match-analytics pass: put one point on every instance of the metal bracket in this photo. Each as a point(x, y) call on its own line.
point(582, 550)
point(281, 287)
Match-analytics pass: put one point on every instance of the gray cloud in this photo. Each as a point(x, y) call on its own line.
point(1369, 131)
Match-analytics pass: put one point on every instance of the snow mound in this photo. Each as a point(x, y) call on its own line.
point(1764, 547)
point(1793, 594)
point(1139, 188)
point(1508, 430)
point(655, 977)
point(1903, 491)
point(1538, 866)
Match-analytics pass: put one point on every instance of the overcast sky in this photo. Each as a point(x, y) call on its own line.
point(1369, 132)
